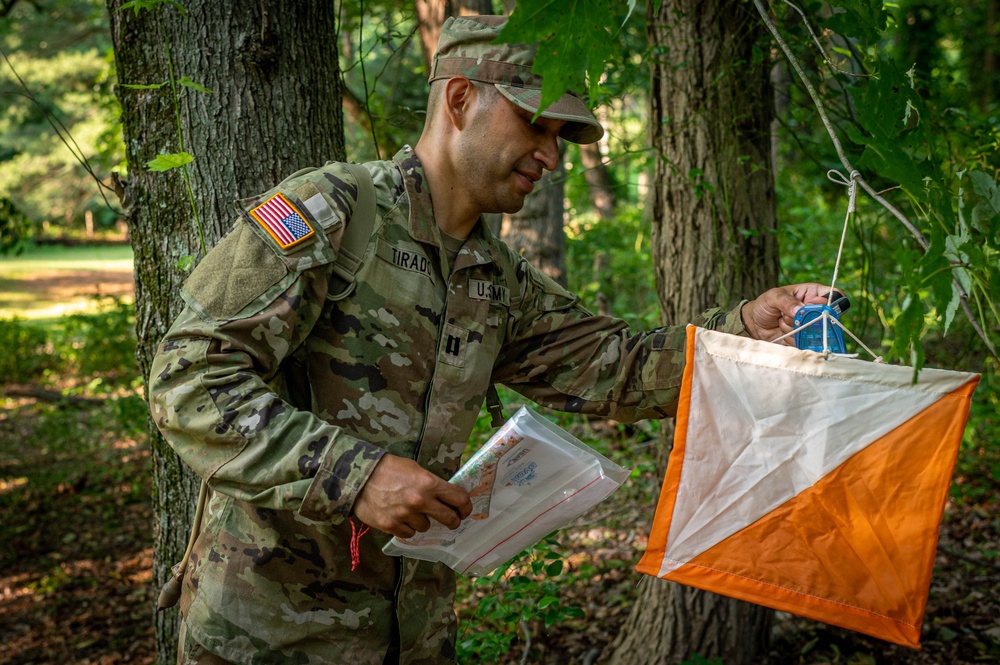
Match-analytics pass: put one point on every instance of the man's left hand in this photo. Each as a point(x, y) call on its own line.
point(771, 314)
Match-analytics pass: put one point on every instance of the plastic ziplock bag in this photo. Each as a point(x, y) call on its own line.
point(528, 480)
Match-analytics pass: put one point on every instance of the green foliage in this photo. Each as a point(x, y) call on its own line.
point(523, 591)
point(698, 659)
point(574, 41)
point(101, 345)
point(866, 19)
point(26, 351)
point(385, 78)
point(612, 260)
point(14, 228)
point(62, 52)
point(912, 133)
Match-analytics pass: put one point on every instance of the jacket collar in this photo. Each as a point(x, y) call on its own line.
point(478, 248)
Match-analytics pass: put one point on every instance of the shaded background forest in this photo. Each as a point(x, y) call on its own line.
point(63, 111)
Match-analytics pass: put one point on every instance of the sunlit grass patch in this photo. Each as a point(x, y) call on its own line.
point(45, 283)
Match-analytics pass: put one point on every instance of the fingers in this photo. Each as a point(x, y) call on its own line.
point(457, 499)
point(772, 314)
point(401, 498)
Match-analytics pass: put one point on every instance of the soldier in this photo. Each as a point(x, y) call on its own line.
point(314, 417)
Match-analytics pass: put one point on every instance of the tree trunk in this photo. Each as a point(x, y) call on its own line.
point(598, 180)
point(275, 107)
point(713, 242)
point(536, 231)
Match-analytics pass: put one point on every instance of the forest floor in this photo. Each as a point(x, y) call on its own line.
point(75, 560)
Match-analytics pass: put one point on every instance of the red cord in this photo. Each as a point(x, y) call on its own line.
point(356, 543)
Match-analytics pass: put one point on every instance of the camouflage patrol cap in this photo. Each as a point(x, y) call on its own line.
point(466, 48)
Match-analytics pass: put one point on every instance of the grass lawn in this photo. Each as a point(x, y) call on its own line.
point(45, 283)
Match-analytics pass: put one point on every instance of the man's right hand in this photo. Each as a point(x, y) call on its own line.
point(401, 497)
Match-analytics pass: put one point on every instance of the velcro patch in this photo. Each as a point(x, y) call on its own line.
point(480, 289)
point(282, 221)
point(315, 202)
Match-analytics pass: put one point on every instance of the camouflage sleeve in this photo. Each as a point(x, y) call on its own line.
point(563, 357)
point(248, 306)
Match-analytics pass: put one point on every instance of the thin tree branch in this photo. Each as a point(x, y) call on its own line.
point(856, 175)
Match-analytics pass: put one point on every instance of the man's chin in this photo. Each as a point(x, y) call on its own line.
point(505, 208)
point(512, 206)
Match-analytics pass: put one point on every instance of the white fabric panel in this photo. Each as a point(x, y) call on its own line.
point(768, 421)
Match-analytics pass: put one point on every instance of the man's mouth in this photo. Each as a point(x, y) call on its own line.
point(529, 179)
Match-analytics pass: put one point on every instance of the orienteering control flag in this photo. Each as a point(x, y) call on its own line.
point(809, 485)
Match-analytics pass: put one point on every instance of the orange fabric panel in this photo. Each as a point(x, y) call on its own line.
point(857, 549)
point(657, 544)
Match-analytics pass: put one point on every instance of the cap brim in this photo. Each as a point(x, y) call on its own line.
point(581, 125)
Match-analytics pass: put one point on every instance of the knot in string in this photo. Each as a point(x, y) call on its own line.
point(851, 182)
point(852, 191)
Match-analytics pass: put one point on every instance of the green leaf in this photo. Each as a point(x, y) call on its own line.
point(573, 42)
point(185, 263)
point(865, 19)
point(546, 601)
point(952, 308)
point(892, 163)
point(188, 83)
point(168, 162)
point(485, 604)
point(631, 8)
point(151, 5)
point(554, 568)
point(986, 187)
point(946, 634)
point(885, 99)
point(139, 86)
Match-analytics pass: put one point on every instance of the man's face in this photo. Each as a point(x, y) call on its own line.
point(502, 153)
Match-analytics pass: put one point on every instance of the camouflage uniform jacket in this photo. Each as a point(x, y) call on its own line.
point(285, 401)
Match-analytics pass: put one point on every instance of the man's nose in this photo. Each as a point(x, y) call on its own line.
point(548, 151)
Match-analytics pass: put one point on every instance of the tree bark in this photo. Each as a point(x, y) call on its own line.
point(275, 107)
point(713, 242)
point(536, 231)
point(598, 180)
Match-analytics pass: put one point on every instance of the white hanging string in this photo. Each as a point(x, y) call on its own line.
point(852, 193)
point(852, 196)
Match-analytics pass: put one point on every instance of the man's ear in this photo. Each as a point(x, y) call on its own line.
point(459, 96)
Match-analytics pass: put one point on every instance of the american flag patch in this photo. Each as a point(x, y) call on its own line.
point(280, 218)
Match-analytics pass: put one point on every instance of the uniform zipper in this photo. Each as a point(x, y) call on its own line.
point(416, 453)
